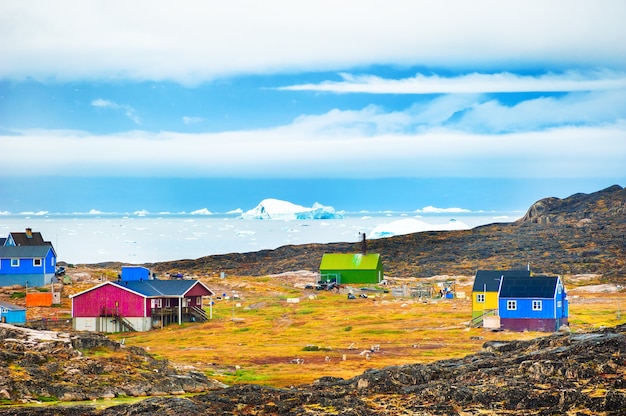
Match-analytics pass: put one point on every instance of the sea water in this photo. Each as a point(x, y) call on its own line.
point(146, 238)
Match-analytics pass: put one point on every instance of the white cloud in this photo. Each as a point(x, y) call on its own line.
point(472, 83)
point(128, 110)
point(290, 152)
point(205, 40)
point(470, 113)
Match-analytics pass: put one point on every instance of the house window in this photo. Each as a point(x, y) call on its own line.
point(37, 262)
point(15, 262)
point(511, 305)
point(559, 304)
point(536, 305)
point(480, 298)
point(199, 300)
point(167, 302)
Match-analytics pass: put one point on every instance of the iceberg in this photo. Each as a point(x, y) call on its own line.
point(275, 209)
point(202, 211)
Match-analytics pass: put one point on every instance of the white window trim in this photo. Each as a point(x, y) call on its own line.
point(511, 305)
point(537, 305)
point(480, 298)
point(15, 262)
point(37, 262)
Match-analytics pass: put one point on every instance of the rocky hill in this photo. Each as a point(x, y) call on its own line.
point(565, 373)
point(584, 233)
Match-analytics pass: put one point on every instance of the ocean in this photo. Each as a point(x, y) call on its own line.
point(146, 238)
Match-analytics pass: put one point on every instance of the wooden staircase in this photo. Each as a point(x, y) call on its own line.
point(199, 313)
point(478, 321)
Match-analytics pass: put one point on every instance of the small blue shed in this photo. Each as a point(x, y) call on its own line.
point(12, 314)
point(135, 273)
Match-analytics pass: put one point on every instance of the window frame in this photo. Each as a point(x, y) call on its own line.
point(537, 305)
point(37, 262)
point(480, 298)
point(15, 262)
point(511, 305)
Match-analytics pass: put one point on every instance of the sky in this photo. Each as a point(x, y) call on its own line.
point(159, 105)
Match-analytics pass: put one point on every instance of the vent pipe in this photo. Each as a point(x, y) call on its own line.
point(364, 245)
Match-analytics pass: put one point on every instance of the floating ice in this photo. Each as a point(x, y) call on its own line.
point(275, 209)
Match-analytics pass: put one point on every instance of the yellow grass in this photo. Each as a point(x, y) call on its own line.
point(272, 342)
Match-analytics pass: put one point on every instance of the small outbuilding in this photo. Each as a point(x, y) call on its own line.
point(130, 273)
point(12, 314)
point(352, 268)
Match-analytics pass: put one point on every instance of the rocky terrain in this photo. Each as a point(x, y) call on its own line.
point(48, 365)
point(565, 373)
point(584, 233)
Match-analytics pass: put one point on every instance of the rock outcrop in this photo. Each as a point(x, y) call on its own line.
point(599, 206)
point(565, 373)
point(48, 365)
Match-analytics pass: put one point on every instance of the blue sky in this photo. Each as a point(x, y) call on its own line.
point(218, 103)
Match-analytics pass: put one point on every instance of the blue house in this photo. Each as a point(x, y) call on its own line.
point(26, 260)
point(533, 303)
point(12, 314)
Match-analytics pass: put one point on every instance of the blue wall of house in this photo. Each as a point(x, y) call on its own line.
point(524, 308)
point(132, 273)
point(30, 280)
point(27, 273)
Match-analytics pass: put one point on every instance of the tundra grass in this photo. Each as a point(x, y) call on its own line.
point(275, 343)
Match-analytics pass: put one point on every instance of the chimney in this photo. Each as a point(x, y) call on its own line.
point(364, 245)
point(29, 233)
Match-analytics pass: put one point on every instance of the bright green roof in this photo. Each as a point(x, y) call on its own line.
point(349, 261)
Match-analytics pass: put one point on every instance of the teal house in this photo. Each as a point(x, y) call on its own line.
point(12, 314)
point(352, 268)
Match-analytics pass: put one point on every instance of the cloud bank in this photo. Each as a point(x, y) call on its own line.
point(208, 40)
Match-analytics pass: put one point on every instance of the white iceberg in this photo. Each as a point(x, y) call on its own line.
point(202, 211)
point(434, 210)
point(275, 209)
point(411, 225)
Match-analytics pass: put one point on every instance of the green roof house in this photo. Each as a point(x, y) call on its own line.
point(351, 268)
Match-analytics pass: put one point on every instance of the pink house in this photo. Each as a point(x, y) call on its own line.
point(138, 305)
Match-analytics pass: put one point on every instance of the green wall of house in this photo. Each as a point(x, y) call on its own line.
point(352, 268)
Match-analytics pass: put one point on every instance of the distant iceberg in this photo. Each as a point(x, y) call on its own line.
point(410, 226)
point(275, 209)
point(434, 210)
point(202, 211)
